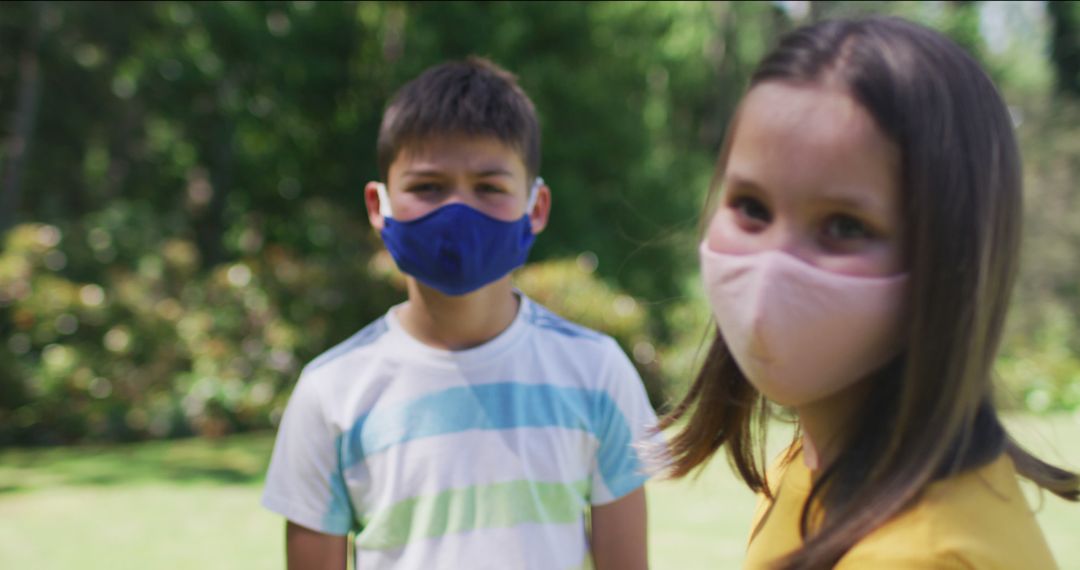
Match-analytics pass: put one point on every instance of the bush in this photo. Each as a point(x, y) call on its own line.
point(1042, 373)
point(157, 348)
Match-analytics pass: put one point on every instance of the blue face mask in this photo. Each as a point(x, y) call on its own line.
point(456, 248)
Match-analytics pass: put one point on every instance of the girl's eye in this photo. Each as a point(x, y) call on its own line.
point(751, 209)
point(846, 228)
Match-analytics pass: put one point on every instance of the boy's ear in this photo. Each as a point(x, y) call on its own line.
point(538, 217)
point(371, 200)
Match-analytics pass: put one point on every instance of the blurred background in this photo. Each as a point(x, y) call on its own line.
point(183, 228)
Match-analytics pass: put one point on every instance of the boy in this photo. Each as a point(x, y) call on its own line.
point(468, 427)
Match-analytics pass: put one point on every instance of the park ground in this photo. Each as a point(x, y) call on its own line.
point(195, 504)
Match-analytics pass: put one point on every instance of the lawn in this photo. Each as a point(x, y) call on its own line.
point(194, 504)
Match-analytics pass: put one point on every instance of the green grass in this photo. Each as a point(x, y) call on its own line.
point(168, 505)
point(194, 504)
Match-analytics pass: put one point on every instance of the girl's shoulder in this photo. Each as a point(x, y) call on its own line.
point(976, 519)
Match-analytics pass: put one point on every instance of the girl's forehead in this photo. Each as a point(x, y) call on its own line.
point(810, 138)
point(809, 118)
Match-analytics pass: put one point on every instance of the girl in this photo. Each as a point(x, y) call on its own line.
point(859, 261)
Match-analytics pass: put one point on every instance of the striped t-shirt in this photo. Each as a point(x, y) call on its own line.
point(481, 458)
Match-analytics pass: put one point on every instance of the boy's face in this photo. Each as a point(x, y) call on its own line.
point(480, 172)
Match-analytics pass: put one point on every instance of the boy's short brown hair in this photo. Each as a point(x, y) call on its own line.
point(472, 97)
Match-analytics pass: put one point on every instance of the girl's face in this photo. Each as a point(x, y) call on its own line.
point(809, 173)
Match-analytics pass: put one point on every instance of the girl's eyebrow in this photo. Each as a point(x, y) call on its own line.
point(744, 184)
point(862, 202)
point(848, 202)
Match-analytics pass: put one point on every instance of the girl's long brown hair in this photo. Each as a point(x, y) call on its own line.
point(930, 413)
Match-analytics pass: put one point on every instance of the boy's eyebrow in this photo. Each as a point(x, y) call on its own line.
point(423, 172)
point(436, 172)
point(495, 172)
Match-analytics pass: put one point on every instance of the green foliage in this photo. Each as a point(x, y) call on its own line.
point(1041, 356)
point(191, 226)
point(159, 348)
point(1044, 372)
point(1065, 44)
point(206, 186)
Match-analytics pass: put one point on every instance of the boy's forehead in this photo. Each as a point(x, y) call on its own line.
point(458, 154)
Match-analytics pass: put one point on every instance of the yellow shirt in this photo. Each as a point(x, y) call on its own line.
point(978, 519)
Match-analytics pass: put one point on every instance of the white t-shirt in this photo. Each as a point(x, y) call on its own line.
point(480, 458)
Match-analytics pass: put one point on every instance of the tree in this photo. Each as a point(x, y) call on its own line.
point(17, 146)
point(1065, 44)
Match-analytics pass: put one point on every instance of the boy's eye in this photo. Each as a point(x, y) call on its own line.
point(751, 209)
point(424, 187)
point(846, 228)
point(488, 189)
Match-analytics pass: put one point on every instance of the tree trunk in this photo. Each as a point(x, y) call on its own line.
point(210, 229)
point(1065, 45)
point(23, 119)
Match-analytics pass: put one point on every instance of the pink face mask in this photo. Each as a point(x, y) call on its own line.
point(800, 333)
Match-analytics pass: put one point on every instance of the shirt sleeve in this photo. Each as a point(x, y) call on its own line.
point(625, 426)
point(305, 482)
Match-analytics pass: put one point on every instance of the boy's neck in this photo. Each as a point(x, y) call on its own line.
point(458, 322)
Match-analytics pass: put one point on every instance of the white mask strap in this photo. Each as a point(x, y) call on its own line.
point(533, 193)
point(384, 200)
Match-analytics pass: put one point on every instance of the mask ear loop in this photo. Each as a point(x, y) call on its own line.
point(533, 193)
point(384, 200)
